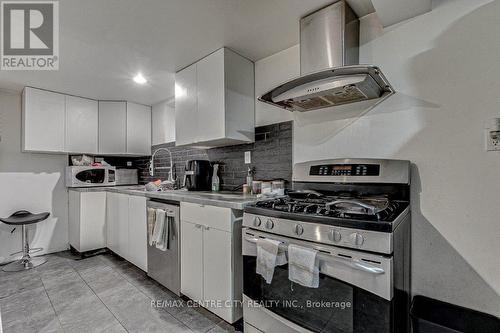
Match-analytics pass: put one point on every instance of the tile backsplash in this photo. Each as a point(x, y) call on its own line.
point(271, 156)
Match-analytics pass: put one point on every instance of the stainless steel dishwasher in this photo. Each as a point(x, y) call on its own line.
point(165, 266)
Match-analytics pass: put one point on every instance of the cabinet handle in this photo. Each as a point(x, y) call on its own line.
point(207, 228)
point(198, 226)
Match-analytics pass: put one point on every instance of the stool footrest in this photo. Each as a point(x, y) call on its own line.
point(32, 250)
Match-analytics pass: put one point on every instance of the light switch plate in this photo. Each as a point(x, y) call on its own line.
point(248, 157)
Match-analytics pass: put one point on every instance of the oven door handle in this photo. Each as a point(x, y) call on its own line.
point(353, 263)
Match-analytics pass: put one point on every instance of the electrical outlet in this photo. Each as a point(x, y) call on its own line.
point(492, 140)
point(248, 157)
point(492, 134)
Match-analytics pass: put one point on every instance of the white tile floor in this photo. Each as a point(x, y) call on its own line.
point(99, 294)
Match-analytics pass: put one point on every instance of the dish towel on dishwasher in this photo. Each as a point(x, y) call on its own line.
point(160, 232)
point(268, 257)
point(151, 224)
point(303, 266)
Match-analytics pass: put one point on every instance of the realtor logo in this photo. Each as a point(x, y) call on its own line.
point(29, 35)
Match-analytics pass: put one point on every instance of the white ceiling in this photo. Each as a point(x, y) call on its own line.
point(103, 43)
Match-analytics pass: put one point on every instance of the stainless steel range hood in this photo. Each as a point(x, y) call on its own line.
point(330, 73)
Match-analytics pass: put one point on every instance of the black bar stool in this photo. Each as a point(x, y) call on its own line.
point(23, 218)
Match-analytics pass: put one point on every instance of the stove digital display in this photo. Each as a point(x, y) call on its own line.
point(345, 170)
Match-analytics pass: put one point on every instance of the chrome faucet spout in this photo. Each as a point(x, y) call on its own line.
point(152, 165)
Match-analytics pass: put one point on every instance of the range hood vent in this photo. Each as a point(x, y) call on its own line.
point(330, 74)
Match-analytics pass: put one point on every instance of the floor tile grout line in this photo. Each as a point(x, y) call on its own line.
point(126, 279)
point(52, 304)
point(100, 299)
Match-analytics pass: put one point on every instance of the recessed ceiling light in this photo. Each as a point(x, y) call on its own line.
point(140, 79)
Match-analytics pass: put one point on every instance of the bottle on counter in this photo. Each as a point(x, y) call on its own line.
point(215, 179)
point(249, 176)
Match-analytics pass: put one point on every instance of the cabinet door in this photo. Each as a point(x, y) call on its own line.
point(137, 236)
point(43, 120)
point(192, 260)
point(122, 226)
point(138, 129)
point(82, 122)
point(117, 213)
point(112, 127)
point(211, 109)
point(163, 123)
point(74, 219)
point(186, 120)
point(217, 282)
point(92, 221)
point(112, 207)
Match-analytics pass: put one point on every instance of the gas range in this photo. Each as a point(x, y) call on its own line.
point(356, 214)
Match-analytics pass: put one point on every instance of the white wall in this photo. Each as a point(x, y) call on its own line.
point(34, 182)
point(444, 65)
point(163, 122)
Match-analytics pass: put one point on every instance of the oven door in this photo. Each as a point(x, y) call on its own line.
point(92, 176)
point(355, 291)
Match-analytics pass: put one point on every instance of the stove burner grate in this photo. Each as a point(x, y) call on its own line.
point(372, 208)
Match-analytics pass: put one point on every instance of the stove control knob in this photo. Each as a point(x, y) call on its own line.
point(335, 236)
point(257, 222)
point(357, 239)
point(299, 229)
point(269, 224)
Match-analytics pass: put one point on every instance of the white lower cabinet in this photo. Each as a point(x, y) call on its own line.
point(117, 223)
point(217, 270)
point(87, 220)
point(126, 227)
point(211, 263)
point(137, 232)
point(192, 260)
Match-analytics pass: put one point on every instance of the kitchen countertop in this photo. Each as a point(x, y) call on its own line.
point(234, 200)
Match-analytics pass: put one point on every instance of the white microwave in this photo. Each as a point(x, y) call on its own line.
point(89, 176)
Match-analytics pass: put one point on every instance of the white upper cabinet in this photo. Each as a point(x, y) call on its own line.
point(210, 78)
point(214, 101)
point(58, 123)
point(138, 129)
point(82, 117)
point(43, 115)
point(112, 127)
point(186, 124)
point(163, 123)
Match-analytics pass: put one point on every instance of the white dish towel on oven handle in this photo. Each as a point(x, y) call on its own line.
point(268, 257)
point(303, 268)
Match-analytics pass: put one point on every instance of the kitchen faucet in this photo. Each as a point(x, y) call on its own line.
point(171, 167)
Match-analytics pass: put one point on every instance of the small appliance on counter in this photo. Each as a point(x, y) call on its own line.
point(127, 177)
point(90, 176)
point(197, 176)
